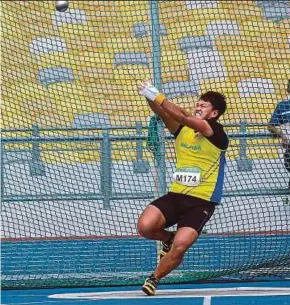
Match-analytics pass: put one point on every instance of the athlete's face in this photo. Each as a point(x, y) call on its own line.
point(203, 110)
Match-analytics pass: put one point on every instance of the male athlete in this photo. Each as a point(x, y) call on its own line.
point(200, 144)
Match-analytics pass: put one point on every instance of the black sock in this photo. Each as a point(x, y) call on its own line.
point(154, 279)
point(170, 240)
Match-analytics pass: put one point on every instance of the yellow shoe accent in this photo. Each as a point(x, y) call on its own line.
point(149, 287)
point(166, 246)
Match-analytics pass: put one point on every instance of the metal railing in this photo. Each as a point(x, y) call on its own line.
point(37, 167)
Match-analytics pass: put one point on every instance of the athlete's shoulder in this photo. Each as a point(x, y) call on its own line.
point(215, 125)
point(178, 131)
point(219, 137)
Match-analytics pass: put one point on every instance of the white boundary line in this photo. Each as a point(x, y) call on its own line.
point(206, 293)
point(206, 301)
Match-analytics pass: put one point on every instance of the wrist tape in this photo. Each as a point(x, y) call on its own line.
point(159, 99)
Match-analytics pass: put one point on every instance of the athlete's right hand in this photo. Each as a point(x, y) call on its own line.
point(150, 92)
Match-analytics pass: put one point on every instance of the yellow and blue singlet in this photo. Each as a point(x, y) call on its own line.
point(193, 150)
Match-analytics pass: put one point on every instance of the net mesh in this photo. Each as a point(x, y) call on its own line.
point(82, 155)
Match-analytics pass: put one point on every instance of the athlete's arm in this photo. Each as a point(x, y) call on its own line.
point(172, 111)
point(186, 119)
point(168, 120)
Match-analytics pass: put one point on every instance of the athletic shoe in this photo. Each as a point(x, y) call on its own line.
point(150, 285)
point(166, 246)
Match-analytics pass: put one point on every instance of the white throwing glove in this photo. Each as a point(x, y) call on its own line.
point(150, 92)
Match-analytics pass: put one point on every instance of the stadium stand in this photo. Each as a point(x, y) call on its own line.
point(71, 47)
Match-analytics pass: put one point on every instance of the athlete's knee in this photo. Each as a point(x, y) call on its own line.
point(144, 227)
point(150, 222)
point(141, 227)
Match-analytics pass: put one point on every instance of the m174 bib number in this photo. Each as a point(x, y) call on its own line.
point(187, 178)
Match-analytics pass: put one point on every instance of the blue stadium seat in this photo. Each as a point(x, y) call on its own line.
point(197, 4)
point(70, 16)
point(221, 28)
point(142, 30)
point(55, 75)
point(255, 86)
point(195, 42)
point(93, 120)
point(267, 3)
point(276, 12)
point(175, 89)
point(131, 58)
point(41, 45)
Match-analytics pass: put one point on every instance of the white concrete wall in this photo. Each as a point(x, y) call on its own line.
point(86, 218)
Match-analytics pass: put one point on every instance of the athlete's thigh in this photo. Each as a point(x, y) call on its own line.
point(168, 206)
point(152, 217)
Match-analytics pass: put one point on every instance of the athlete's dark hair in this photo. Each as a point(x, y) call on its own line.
point(218, 101)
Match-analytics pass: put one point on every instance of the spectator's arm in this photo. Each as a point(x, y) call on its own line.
point(275, 122)
point(275, 130)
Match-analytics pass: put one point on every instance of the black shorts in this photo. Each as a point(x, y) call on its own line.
point(184, 210)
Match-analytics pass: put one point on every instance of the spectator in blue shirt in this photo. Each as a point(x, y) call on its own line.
point(279, 125)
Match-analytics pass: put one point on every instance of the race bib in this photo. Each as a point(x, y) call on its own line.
point(187, 176)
